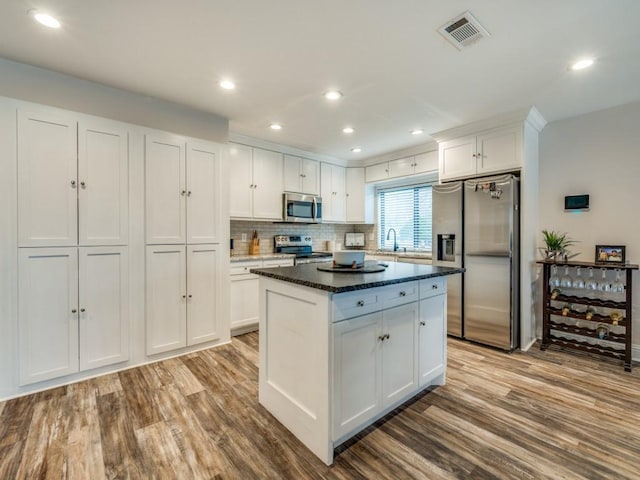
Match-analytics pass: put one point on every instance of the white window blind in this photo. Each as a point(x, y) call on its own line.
point(408, 211)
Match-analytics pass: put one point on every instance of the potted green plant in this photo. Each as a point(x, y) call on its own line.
point(556, 244)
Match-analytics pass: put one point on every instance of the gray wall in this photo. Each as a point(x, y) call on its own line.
point(38, 85)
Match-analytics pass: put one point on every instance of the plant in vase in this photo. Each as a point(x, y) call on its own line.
point(556, 244)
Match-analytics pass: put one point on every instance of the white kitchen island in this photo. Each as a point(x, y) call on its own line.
point(340, 350)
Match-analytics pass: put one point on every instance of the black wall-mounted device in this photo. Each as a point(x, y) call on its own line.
point(576, 202)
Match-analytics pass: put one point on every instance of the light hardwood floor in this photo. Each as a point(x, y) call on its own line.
point(522, 415)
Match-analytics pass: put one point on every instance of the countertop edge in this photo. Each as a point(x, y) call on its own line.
point(273, 273)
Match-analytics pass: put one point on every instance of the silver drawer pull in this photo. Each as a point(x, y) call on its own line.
point(434, 286)
point(360, 303)
point(403, 293)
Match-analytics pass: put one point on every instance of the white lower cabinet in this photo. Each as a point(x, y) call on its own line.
point(182, 296)
point(73, 310)
point(245, 293)
point(382, 358)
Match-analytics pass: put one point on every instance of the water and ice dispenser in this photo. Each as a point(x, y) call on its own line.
point(446, 247)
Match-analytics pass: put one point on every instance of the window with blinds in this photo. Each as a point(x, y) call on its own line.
point(408, 211)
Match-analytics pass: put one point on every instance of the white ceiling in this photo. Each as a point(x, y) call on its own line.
point(394, 69)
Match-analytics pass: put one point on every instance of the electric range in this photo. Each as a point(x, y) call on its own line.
point(302, 247)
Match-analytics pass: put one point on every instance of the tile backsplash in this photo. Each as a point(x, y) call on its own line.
point(319, 232)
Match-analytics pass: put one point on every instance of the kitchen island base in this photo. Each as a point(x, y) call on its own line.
point(331, 363)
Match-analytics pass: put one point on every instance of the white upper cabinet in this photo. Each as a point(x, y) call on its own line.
point(426, 162)
point(165, 189)
point(256, 183)
point(333, 186)
point(377, 172)
point(301, 175)
point(401, 167)
point(241, 181)
point(360, 199)
point(203, 193)
point(47, 179)
point(182, 188)
point(103, 181)
point(73, 180)
point(491, 152)
point(267, 184)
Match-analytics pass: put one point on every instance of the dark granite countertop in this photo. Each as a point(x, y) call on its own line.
point(309, 276)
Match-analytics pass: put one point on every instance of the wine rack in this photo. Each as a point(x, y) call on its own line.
point(565, 321)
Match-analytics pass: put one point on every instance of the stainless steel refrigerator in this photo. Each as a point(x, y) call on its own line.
point(487, 220)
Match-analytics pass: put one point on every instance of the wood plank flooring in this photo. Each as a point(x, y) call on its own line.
point(529, 415)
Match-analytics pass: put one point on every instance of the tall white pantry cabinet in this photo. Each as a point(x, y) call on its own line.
point(183, 253)
point(101, 222)
point(72, 239)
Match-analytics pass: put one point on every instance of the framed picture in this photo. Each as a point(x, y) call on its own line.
point(609, 253)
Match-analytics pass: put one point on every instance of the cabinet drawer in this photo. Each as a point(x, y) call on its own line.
point(241, 268)
point(278, 262)
point(400, 294)
point(354, 304)
point(430, 287)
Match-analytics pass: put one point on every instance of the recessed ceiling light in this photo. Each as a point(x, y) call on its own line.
point(333, 95)
point(581, 64)
point(356, 149)
point(275, 126)
point(348, 130)
point(417, 131)
point(227, 84)
point(44, 19)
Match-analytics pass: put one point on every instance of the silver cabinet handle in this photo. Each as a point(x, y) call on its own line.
point(74, 311)
point(183, 192)
point(184, 296)
point(73, 184)
point(190, 296)
point(360, 303)
point(403, 293)
point(423, 323)
point(82, 310)
point(83, 184)
point(381, 337)
point(434, 287)
point(189, 193)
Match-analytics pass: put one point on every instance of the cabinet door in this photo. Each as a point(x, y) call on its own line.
point(48, 313)
point(356, 378)
point(203, 293)
point(339, 184)
point(104, 306)
point(47, 179)
point(165, 189)
point(244, 300)
point(399, 353)
point(241, 181)
point(355, 201)
point(375, 173)
point(203, 193)
point(310, 171)
point(267, 184)
point(457, 158)
point(426, 162)
point(401, 167)
point(103, 177)
point(166, 298)
point(500, 150)
point(431, 339)
point(292, 174)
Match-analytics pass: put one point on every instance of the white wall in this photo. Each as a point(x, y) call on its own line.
point(38, 85)
point(597, 154)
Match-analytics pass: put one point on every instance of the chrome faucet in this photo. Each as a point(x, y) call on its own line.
point(395, 238)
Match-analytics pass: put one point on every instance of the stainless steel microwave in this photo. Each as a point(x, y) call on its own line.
point(302, 208)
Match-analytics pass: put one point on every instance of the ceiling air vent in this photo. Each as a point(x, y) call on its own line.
point(463, 30)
